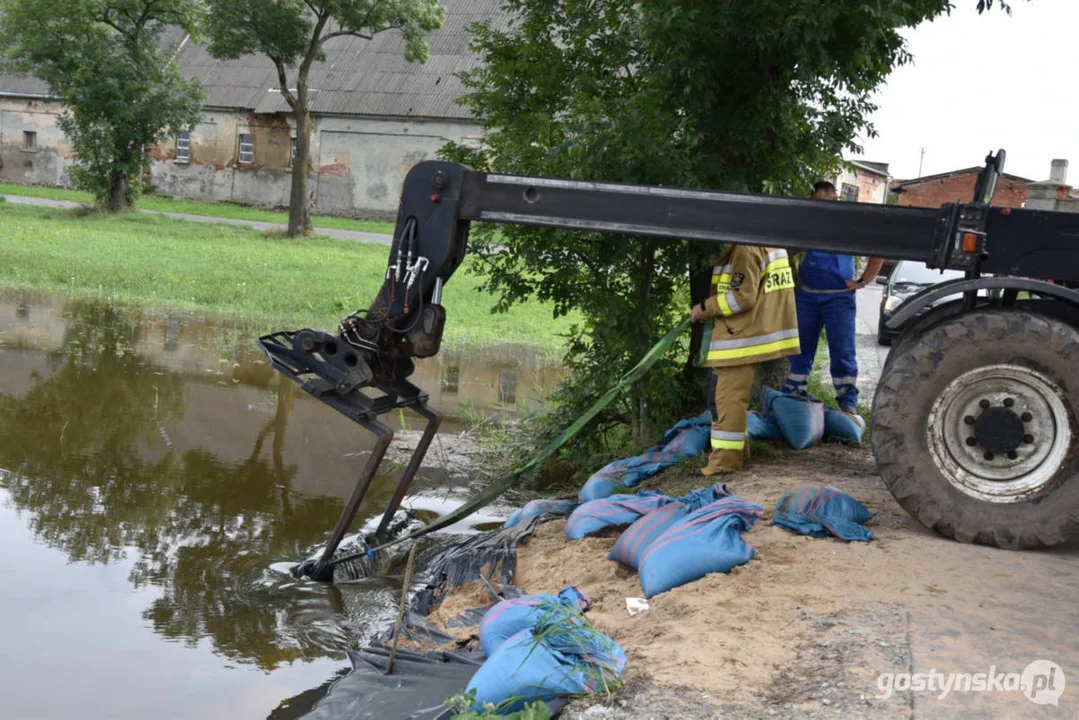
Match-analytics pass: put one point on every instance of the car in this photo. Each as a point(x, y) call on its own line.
point(908, 278)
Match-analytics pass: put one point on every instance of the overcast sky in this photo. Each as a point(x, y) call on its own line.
point(983, 82)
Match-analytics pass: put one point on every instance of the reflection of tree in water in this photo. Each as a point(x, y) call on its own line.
point(73, 440)
point(78, 448)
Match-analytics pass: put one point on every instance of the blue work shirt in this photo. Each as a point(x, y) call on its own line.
point(826, 271)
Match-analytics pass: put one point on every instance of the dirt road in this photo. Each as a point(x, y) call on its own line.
point(811, 627)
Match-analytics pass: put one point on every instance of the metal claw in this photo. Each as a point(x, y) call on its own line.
point(434, 419)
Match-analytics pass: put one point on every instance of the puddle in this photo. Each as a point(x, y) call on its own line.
point(156, 482)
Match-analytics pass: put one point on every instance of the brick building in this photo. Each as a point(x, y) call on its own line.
point(935, 190)
point(1055, 193)
point(862, 181)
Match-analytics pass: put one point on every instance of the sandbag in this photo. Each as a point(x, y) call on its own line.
point(840, 425)
point(631, 545)
point(629, 548)
point(800, 418)
point(550, 509)
point(509, 617)
point(687, 439)
point(706, 541)
point(759, 427)
point(545, 663)
point(614, 511)
point(821, 510)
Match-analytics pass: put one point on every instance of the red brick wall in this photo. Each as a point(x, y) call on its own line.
point(934, 193)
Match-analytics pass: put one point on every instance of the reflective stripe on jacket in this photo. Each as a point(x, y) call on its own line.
point(751, 309)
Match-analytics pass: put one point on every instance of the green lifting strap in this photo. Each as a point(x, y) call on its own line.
point(505, 482)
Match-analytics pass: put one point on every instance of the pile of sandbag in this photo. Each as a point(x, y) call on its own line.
point(801, 420)
point(671, 542)
point(540, 648)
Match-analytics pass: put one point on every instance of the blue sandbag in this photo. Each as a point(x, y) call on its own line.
point(614, 511)
point(545, 663)
point(848, 428)
point(760, 427)
point(800, 418)
point(696, 499)
point(706, 541)
point(551, 508)
point(525, 669)
point(687, 439)
point(509, 617)
point(631, 545)
point(821, 510)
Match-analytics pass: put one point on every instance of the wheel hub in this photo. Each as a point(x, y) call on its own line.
point(999, 430)
point(1000, 433)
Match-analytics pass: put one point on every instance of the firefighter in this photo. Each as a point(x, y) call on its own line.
point(750, 318)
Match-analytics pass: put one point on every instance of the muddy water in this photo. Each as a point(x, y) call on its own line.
point(156, 482)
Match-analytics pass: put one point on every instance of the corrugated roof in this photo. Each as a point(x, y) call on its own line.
point(359, 77)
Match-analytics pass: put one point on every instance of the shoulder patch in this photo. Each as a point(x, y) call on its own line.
point(736, 279)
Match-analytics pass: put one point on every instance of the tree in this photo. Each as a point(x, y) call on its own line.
point(739, 96)
point(292, 33)
point(106, 63)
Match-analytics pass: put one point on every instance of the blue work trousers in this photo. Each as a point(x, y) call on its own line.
point(835, 313)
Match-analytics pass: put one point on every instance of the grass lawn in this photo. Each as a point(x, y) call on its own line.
point(195, 207)
point(234, 270)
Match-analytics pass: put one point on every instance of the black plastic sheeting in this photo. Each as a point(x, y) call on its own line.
point(417, 688)
point(420, 683)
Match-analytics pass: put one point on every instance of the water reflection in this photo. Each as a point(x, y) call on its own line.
point(81, 451)
point(124, 447)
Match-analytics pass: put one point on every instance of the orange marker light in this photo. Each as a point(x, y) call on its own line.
point(970, 243)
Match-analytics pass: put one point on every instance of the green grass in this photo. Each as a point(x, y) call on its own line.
point(233, 270)
point(196, 207)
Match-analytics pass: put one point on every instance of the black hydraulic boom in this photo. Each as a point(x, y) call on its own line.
point(362, 369)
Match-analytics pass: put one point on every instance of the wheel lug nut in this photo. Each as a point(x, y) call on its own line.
point(988, 456)
point(984, 404)
point(1028, 438)
point(1012, 454)
point(969, 419)
point(1026, 417)
point(1008, 402)
point(972, 441)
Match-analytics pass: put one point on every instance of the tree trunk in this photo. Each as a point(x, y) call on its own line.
point(770, 374)
point(299, 212)
point(118, 195)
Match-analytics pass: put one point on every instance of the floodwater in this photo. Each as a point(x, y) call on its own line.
point(156, 483)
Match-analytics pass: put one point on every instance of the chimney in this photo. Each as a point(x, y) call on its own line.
point(1058, 172)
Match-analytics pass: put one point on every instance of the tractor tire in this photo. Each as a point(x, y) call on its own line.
point(917, 327)
point(975, 431)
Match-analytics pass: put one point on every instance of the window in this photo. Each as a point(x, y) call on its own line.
point(507, 387)
point(29, 140)
point(451, 377)
point(183, 147)
point(247, 148)
point(849, 193)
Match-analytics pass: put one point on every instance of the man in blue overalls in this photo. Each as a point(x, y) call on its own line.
point(825, 299)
